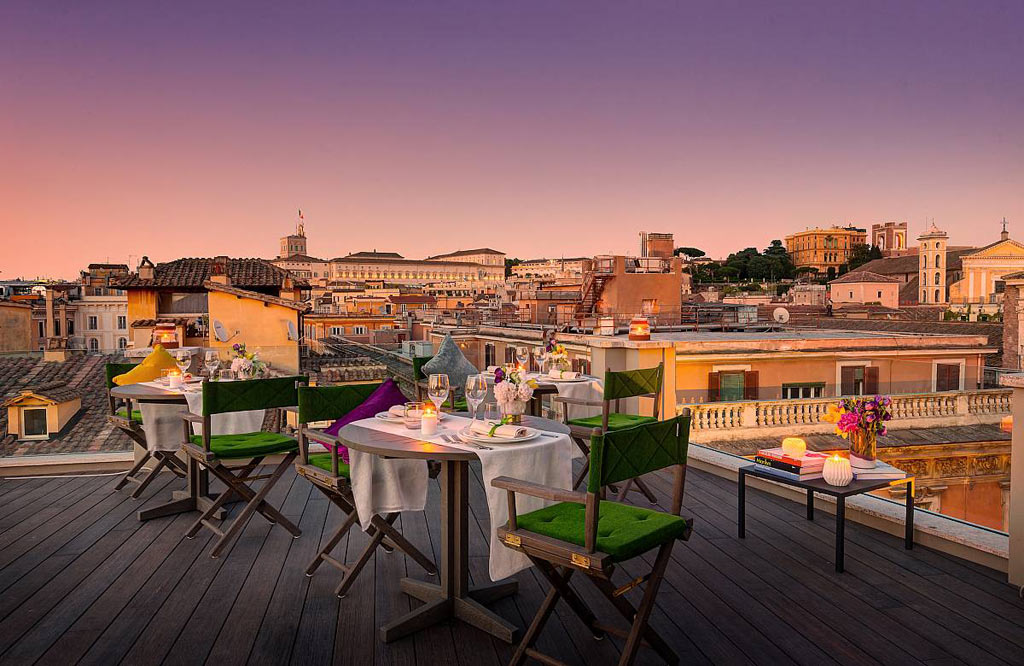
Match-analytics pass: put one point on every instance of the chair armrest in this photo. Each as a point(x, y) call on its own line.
point(194, 418)
point(576, 401)
point(322, 437)
point(538, 490)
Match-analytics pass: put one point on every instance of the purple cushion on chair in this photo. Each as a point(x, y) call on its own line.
point(386, 396)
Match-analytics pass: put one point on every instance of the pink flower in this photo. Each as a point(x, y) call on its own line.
point(848, 422)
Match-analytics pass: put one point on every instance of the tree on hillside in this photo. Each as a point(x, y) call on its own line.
point(509, 263)
point(782, 267)
point(861, 254)
point(689, 252)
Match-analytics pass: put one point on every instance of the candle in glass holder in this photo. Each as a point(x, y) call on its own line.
point(428, 422)
point(174, 379)
point(837, 471)
point(794, 447)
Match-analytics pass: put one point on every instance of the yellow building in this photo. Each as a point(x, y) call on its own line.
point(983, 274)
point(42, 411)
point(824, 249)
point(15, 327)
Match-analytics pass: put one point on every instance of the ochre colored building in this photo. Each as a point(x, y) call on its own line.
point(824, 249)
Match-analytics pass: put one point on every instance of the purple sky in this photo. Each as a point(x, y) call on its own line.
point(537, 128)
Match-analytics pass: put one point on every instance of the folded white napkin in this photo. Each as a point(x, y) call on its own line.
point(563, 374)
point(506, 431)
point(397, 411)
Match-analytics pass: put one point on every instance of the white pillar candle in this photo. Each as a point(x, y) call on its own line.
point(174, 380)
point(428, 422)
point(794, 447)
point(837, 471)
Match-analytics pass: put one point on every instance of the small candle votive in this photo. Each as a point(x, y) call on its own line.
point(794, 447)
point(413, 415)
point(837, 471)
point(174, 379)
point(428, 421)
point(1006, 424)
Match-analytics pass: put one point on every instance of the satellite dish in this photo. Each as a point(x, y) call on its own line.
point(780, 315)
point(293, 334)
point(220, 332)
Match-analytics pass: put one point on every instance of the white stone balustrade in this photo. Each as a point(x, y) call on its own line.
point(742, 420)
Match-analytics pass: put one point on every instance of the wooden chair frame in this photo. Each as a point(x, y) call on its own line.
point(135, 432)
point(582, 435)
point(237, 480)
point(338, 490)
point(558, 560)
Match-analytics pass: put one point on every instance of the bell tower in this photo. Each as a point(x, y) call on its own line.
point(932, 266)
point(294, 244)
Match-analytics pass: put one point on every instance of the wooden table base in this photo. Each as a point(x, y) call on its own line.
point(196, 496)
point(453, 598)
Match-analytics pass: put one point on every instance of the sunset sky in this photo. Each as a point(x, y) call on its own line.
point(538, 128)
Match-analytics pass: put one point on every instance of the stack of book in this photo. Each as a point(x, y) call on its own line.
point(797, 469)
point(880, 472)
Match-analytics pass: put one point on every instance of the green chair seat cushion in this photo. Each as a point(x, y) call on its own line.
point(248, 445)
point(615, 421)
point(623, 531)
point(323, 461)
point(461, 405)
point(136, 414)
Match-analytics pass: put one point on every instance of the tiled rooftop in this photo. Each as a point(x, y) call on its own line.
point(193, 272)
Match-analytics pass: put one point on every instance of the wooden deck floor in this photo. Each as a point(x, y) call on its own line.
point(82, 581)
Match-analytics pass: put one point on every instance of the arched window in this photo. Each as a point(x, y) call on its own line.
point(94, 344)
point(122, 343)
point(938, 262)
point(938, 299)
point(938, 278)
point(924, 296)
point(924, 258)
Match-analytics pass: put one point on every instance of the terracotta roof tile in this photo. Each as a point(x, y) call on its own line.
point(191, 273)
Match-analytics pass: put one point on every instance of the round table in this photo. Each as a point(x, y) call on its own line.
point(453, 598)
point(196, 496)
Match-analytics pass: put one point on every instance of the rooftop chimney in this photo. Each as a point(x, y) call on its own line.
point(146, 269)
point(219, 270)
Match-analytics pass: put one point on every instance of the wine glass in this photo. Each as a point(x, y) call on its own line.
point(541, 355)
point(212, 363)
point(183, 359)
point(476, 391)
point(523, 356)
point(438, 389)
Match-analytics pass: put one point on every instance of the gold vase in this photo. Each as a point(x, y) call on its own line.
point(863, 449)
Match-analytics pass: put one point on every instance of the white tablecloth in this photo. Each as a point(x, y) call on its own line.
point(592, 390)
point(163, 426)
point(545, 460)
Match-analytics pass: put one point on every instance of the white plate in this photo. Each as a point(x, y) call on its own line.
point(556, 380)
point(467, 435)
point(391, 418)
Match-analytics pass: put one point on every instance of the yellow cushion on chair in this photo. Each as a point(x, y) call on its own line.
point(149, 369)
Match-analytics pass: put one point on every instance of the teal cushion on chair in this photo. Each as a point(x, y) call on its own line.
point(248, 445)
point(136, 414)
point(623, 531)
point(615, 421)
point(323, 461)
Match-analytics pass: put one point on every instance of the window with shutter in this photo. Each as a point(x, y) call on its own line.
point(947, 377)
point(714, 386)
point(750, 385)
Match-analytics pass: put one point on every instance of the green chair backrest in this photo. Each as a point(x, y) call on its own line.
point(630, 383)
point(115, 369)
point(417, 367)
point(620, 455)
point(326, 403)
point(241, 396)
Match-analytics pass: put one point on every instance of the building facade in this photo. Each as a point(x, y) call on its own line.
point(395, 268)
point(550, 268)
point(824, 250)
point(865, 288)
point(890, 238)
point(293, 244)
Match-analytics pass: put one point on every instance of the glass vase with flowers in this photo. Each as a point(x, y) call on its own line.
point(861, 420)
point(512, 392)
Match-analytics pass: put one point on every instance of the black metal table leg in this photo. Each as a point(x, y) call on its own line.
point(908, 541)
point(741, 502)
point(810, 504)
point(840, 533)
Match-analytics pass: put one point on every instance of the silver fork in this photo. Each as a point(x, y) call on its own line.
point(451, 439)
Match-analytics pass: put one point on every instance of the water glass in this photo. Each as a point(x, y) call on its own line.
point(412, 415)
point(523, 356)
point(438, 389)
point(491, 412)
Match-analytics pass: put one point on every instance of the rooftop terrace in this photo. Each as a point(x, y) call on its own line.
point(82, 581)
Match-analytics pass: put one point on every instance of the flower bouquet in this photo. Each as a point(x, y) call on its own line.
point(513, 392)
point(556, 354)
point(861, 420)
point(246, 364)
